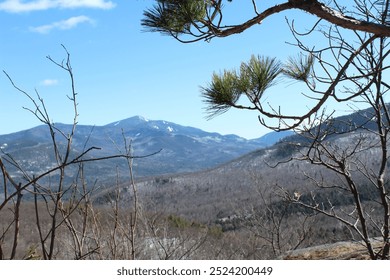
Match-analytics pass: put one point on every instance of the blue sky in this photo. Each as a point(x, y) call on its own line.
point(122, 71)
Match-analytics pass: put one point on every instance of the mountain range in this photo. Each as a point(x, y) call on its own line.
point(223, 181)
point(175, 148)
point(245, 182)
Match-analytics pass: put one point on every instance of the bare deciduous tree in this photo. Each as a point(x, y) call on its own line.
point(59, 202)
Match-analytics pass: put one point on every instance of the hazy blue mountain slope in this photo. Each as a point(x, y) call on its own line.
point(181, 148)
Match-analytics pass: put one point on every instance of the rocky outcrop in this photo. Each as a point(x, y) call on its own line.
point(336, 251)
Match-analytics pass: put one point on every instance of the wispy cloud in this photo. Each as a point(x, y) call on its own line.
point(20, 6)
point(49, 82)
point(62, 25)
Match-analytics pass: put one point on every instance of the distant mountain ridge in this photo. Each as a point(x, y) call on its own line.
point(217, 193)
point(182, 148)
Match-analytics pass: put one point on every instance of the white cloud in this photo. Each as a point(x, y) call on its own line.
point(20, 6)
point(62, 25)
point(49, 82)
point(99, 4)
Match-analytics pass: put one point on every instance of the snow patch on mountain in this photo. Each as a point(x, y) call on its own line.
point(143, 119)
point(207, 139)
